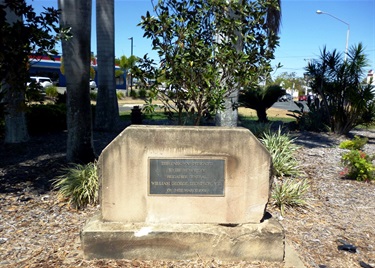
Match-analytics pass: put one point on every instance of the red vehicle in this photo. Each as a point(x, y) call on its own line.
point(302, 98)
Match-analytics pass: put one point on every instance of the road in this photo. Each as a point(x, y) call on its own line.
point(289, 105)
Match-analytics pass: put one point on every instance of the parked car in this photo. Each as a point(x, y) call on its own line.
point(302, 98)
point(44, 82)
point(92, 84)
point(286, 97)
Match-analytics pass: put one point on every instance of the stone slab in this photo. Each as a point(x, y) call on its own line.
point(247, 242)
point(124, 174)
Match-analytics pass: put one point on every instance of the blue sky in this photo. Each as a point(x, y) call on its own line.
point(303, 32)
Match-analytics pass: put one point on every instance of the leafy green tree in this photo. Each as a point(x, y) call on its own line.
point(345, 101)
point(107, 114)
point(290, 81)
point(260, 99)
point(127, 64)
point(208, 49)
point(22, 32)
point(76, 14)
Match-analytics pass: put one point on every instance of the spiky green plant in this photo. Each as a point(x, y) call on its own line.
point(78, 185)
point(120, 95)
point(52, 92)
point(258, 128)
point(289, 193)
point(282, 149)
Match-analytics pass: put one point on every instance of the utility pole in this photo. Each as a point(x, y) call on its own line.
point(131, 55)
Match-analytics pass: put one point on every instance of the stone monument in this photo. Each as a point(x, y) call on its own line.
point(172, 192)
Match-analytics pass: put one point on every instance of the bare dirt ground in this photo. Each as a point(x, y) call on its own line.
point(37, 230)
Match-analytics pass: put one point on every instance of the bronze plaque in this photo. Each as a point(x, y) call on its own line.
point(187, 177)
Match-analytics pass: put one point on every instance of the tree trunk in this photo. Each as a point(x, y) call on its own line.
point(107, 113)
point(262, 115)
point(229, 116)
point(15, 118)
point(77, 57)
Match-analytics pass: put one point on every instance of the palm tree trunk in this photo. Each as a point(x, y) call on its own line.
point(15, 118)
point(262, 115)
point(77, 57)
point(107, 113)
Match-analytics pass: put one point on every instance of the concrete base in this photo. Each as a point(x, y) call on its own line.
point(246, 242)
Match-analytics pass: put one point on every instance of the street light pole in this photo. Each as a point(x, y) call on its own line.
point(131, 54)
point(347, 32)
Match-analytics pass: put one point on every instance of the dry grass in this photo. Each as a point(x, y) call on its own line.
point(271, 113)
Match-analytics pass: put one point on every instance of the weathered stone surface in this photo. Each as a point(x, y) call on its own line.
point(248, 242)
point(124, 175)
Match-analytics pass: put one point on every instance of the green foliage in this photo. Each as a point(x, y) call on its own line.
point(290, 80)
point(93, 95)
point(260, 99)
point(142, 93)
point(78, 185)
point(134, 94)
point(289, 193)
point(128, 65)
point(34, 93)
point(45, 118)
point(313, 120)
point(355, 144)
point(207, 49)
point(120, 95)
point(258, 128)
point(51, 92)
point(282, 150)
point(345, 101)
point(149, 108)
point(358, 166)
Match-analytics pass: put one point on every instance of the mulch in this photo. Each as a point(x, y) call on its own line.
point(39, 230)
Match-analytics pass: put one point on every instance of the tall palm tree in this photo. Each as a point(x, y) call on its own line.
point(126, 64)
point(107, 113)
point(274, 19)
point(76, 14)
point(14, 92)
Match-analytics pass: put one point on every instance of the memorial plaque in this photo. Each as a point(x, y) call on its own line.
point(187, 176)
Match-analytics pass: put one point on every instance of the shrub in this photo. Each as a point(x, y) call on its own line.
point(358, 166)
point(133, 94)
point(52, 92)
point(61, 98)
point(142, 93)
point(34, 94)
point(78, 185)
point(93, 95)
point(313, 120)
point(257, 128)
point(46, 118)
point(120, 95)
point(289, 193)
point(355, 144)
point(282, 150)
